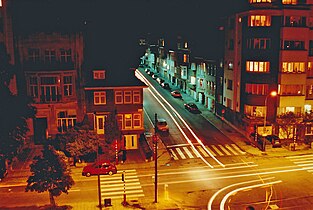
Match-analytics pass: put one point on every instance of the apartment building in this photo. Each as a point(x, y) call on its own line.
point(268, 48)
point(64, 81)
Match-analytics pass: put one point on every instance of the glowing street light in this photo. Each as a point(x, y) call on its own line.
point(272, 94)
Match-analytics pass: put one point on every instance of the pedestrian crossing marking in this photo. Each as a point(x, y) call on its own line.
point(224, 150)
point(173, 154)
point(196, 152)
point(230, 148)
point(238, 149)
point(113, 187)
point(181, 153)
point(188, 153)
point(202, 151)
point(211, 151)
point(217, 150)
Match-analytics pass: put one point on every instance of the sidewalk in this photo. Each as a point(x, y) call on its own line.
point(239, 138)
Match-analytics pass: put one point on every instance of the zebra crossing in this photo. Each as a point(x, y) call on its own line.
point(113, 186)
point(179, 152)
point(304, 161)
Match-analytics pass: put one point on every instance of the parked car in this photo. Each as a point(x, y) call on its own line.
point(155, 76)
point(151, 73)
point(192, 107)
point(101, 168)
point(165, 85)
point(160, 80)
point(176, 94)
point(147, 70)
point(161, 125)
point(275, 140)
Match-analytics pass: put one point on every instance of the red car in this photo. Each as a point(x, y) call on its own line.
point(101, 168)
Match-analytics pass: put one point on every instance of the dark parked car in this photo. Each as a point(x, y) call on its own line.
point(165, 85)
point(176, 94)
point(275, 140)
point(155, 76)
point(192, 107)
point(160, 80)
point(102, 168)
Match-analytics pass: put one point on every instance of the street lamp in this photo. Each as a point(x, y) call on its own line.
point(273, 94)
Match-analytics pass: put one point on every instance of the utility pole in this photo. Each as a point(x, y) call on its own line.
point(99, 188)
point(155, 140)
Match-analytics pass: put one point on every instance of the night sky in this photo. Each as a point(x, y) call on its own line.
point(113, 27)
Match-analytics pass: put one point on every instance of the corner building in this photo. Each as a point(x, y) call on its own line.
point(268, 47)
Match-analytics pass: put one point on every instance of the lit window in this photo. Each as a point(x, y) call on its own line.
point(291, 90)
point(259, 20)
point(127, 97)
point(137, 120)
point(186, 58)
point(99, 74)
point(310, 69)
point(293, 67)
point(289, 1)
point(118, 97)
point(136, 97)
point(257, 66)
point(128, 121)
point(99, 98)
point(260, 1)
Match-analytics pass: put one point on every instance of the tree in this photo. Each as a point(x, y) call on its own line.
point(112, 134)
point(49, 173)
point(112, 131)
point(286, 122)
point(15, 110)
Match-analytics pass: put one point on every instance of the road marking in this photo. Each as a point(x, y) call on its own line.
point(180, 153)
point(202, 151)
point(173, 154)
point(238, 149)
point(231, 149)
point(188, 152)
point(211, 151)
point(224, 150)
point(217, 150)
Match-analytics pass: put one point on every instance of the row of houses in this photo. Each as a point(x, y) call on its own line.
point(267, 47)
point(67, 86)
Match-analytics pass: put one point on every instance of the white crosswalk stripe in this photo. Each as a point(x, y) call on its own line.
point(113, 186)
point(303, 161)
point(186, 151)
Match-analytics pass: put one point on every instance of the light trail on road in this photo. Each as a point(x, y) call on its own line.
point(142, 78)
point(233, 185)
point(222, 205)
